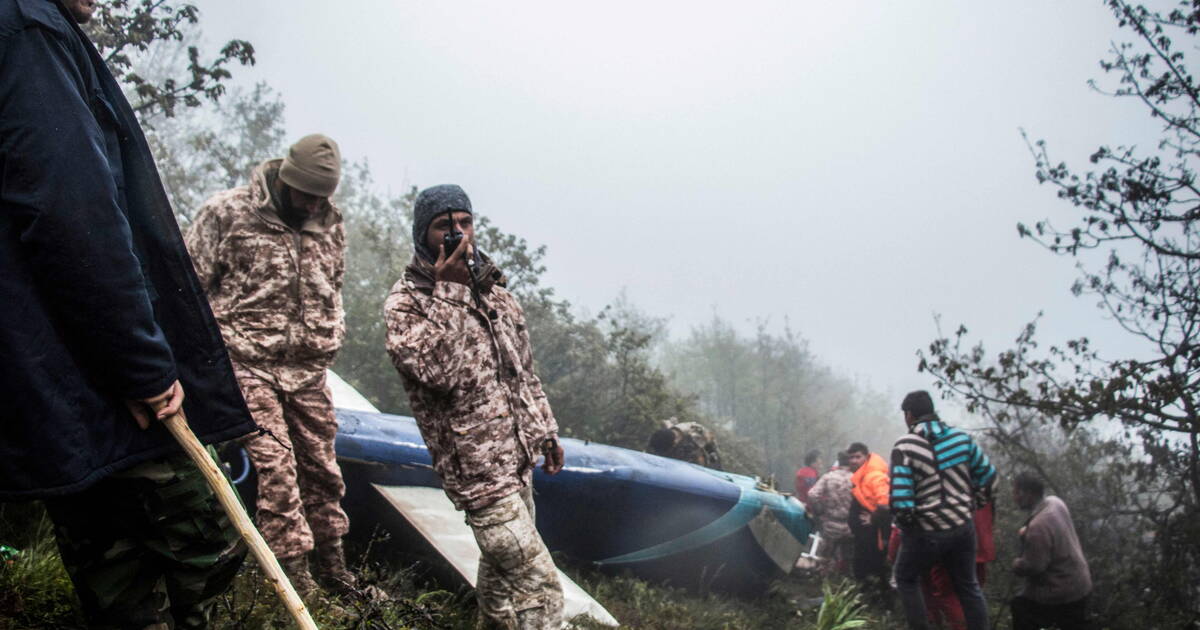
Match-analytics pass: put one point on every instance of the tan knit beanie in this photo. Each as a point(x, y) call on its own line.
point(313, 165)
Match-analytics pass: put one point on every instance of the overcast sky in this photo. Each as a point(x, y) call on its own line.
point(853, 167)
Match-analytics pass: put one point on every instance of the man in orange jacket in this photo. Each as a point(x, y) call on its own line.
point(870, 518)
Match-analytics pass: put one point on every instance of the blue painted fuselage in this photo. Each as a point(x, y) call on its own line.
point(615, 507)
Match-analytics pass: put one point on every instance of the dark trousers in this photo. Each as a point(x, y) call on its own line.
point(870, 556)
point(954, 550)
point(1030, 615)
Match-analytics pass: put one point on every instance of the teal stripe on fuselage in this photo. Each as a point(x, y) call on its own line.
point(744, 511)
point(751, 502)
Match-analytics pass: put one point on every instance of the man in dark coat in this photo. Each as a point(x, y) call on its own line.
point(101, 317)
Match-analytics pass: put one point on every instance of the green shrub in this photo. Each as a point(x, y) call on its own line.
point(842, 608)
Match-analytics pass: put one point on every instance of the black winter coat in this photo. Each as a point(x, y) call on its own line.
point(98, 298)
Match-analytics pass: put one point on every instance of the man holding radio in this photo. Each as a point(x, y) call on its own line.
point(459, 341)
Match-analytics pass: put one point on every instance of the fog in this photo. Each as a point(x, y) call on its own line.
point(850, 168)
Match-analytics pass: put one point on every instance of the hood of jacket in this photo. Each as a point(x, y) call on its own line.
point(930, 426)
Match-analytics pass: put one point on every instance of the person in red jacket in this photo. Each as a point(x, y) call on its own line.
point(807, 476)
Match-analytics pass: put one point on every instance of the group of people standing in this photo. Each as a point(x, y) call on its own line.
point(110, 315)
point(270, 257)
point(924, 522)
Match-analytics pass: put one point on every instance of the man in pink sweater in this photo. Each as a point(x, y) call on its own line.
point(1057, 579)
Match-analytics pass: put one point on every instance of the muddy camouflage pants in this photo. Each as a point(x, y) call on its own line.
point(517, 587)
point(300, 485)
point(147, 548)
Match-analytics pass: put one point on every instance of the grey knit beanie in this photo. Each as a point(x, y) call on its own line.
point(430, 203)
point(313, 165)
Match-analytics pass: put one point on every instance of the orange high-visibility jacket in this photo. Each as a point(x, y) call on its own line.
point(871, 483)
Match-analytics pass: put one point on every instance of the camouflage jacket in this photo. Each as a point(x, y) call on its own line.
point(829, 501)
point(468, 371)
point(276, 291)
point(696, 444)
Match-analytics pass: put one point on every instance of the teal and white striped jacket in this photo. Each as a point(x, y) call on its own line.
point(939, 476)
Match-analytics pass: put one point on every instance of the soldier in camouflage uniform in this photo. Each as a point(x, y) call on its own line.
point(459, 341)
point(829, 502)
point(686, 441)
point(270, 256)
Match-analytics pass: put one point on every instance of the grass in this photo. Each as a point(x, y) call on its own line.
point(35, 592)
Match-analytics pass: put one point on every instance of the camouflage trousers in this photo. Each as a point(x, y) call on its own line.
point(147, 548)
point(300, 485)
point(517, 587)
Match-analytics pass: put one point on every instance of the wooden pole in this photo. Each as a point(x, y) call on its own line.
point(178, 426)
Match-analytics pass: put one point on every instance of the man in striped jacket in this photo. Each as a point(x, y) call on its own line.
point(939, 477)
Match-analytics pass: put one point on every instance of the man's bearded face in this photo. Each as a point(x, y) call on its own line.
point(81, 10)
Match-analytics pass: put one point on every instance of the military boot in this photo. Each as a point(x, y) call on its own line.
point(331, 567)
point(297, 571)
